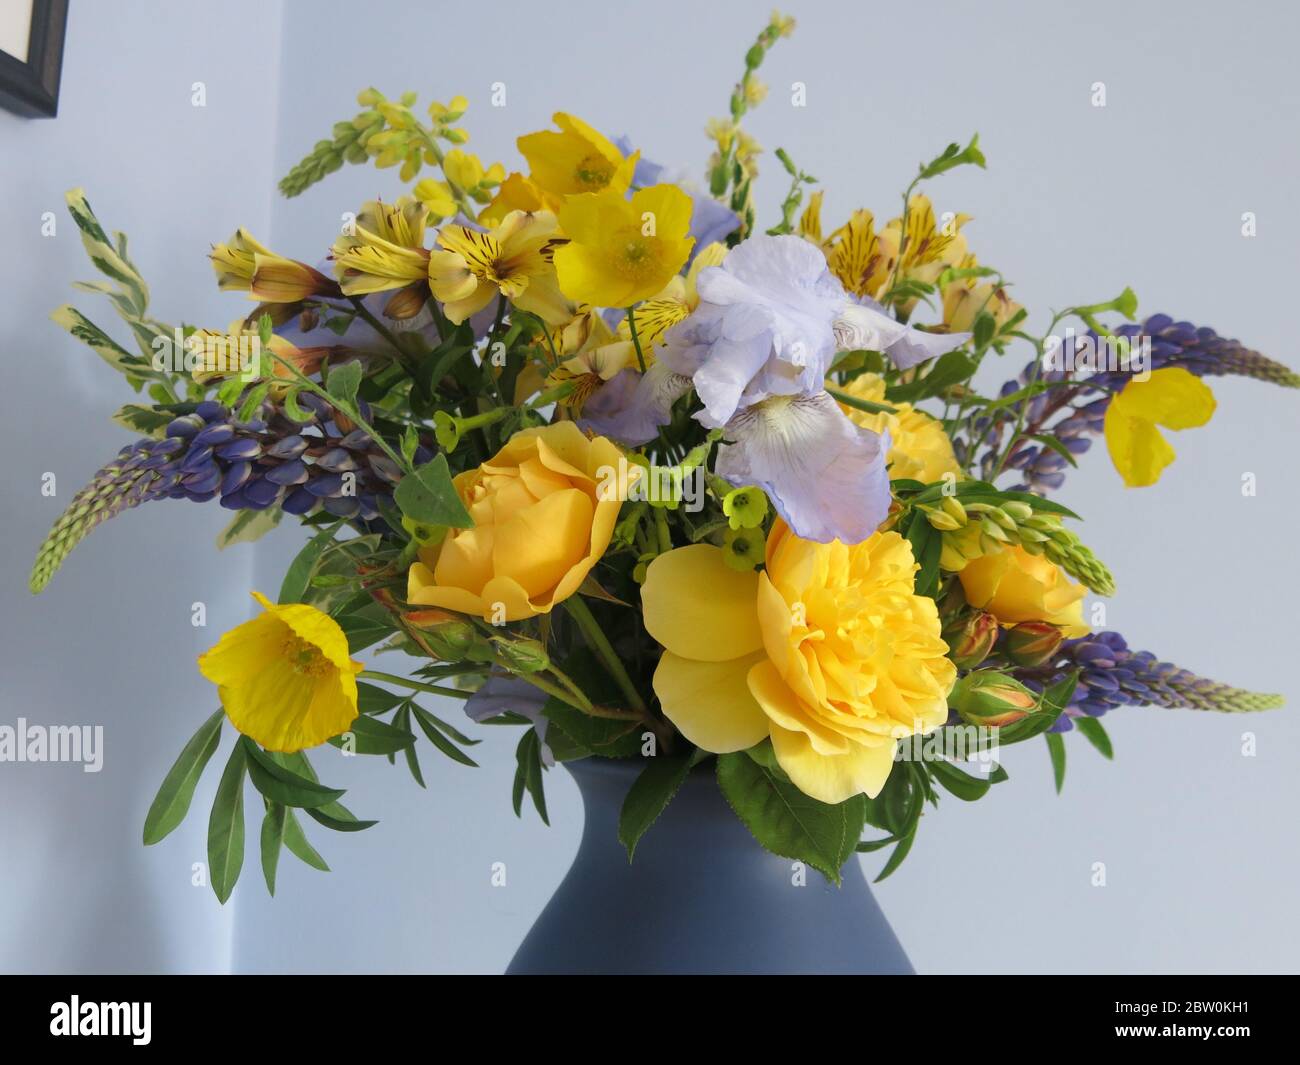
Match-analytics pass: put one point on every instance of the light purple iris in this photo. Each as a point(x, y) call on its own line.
point(631, 406)
point(502, 693)
point(770, 321)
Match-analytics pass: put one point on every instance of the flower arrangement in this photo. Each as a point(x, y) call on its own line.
point(628, 471)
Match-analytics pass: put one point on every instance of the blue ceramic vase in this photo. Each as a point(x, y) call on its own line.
point(701, 897)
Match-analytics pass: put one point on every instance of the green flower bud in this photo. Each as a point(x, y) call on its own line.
point(987, 697)
point(523, 656)
point(450, 637)
point(1031, 643)
point(971, 639)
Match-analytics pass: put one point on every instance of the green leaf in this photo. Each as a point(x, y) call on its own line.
point(650, 793)
point(896, 857)
point(427, 495)
point(1056, 748)
point(283, 785)
point(402, 719)
point(339, 818)
point(1050, 705)
point(950, 369)
point(1095, 733)
point(961, 784)
point(782, 818)
point(367, 628)
point(869, 845)
point(343, 383)
point(433, 729)
point(147, 420)
point(248, 525)
point(172, 802)
point(594, 735)
point(860, 404)
point(226, 827)
point(272, 839)
point(372, 736)
point(295, 841)
point(375, 700)
point(528, 774)
point(298, 574)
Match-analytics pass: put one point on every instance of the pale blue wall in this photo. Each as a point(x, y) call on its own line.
point(110, 641)
point(1198, 841)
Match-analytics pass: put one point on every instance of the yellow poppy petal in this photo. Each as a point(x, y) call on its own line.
point(698, 607)
point(1172, 397)
point(1137, 449)
point(709, 702)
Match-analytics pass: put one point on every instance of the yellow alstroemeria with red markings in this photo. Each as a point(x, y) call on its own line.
point(1171, 397)
point(244, 264)
point(384, 248)
point(513, 260)
point(285, 678)
point(829, 652)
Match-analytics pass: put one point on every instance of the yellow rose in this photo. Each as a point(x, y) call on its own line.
point(541, 522)
point(1015, 586)
point(829, 652)
point(919, 448)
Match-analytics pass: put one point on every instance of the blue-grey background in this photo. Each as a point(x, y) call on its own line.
point(1199, 842)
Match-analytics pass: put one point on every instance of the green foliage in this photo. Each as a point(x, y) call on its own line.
point(650, 793)
point(785, 820)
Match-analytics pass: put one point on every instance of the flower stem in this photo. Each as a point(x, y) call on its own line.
point(415, 685)
point(581, 613)
point(366, 316)
point(636, 340)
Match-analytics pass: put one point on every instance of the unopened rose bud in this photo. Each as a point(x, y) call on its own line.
point(523, 656)
point(450, 637)
point(971, 639)
point(987, 697)
point(1031, 643)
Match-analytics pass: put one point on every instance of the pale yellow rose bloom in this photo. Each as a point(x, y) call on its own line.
point(1015, 586)
point(543, 516)
point(829, 652)
point(919, 448)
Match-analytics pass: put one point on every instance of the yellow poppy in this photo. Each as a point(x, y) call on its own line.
point(575, 160)
point(285, 678)
point(623, 251)
point(1172, 397)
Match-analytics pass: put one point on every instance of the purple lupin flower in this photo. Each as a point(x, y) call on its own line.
point(208, 453)
point(1111, 675)
point(1075, 413)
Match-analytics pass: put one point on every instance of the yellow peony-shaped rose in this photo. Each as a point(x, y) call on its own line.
point(919, 448)
point(1015, 586)
point(829, 652)
point(541, 522)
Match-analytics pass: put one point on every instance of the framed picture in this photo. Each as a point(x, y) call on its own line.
point(31, 55)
